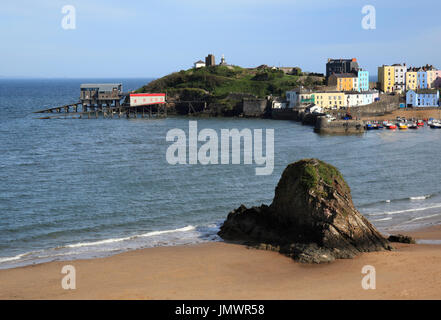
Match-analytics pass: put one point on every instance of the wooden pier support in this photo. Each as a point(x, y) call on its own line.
point(107, 110)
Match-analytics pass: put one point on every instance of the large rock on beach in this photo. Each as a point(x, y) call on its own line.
point(312, 218)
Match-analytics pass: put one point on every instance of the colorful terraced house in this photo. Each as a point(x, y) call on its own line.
point(363, 80)
point(330, 99)
point(344, 81)
point(425, 77)
point(422, 98)
point(386, 78)
point(411, 80)
point(392, 78)
point(434, 79)
point(422, 79)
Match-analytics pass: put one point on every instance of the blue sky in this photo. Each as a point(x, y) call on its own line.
point(154, 38)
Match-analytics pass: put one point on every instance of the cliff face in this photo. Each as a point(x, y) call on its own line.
point(312, 218)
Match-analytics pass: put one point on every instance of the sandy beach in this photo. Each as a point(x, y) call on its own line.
point(408, 113)
point(230, 271)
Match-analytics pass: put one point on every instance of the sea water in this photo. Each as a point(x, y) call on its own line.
point(73, 188)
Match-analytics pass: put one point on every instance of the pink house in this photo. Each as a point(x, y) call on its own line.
point(434, 78)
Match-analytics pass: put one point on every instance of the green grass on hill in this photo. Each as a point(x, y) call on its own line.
point(215, 83)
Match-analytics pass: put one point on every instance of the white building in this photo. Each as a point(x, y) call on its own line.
point(278, 105)
point(355, 99)
point(299, 96)
point(223, 61)
point(314, 109)
point(400, 77)
point(199, 64)
point(355, 84)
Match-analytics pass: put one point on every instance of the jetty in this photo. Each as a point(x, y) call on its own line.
point(107, 100)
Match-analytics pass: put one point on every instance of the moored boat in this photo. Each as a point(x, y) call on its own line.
point(390, 126)
point(402, 126)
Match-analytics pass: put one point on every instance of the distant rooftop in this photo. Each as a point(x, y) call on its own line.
point(429, 91)
point(394, 65)
point(331, 91)
point(101, 86)
point(427, 67)
point(344, 75)
point(340, 59)
point(361, 92)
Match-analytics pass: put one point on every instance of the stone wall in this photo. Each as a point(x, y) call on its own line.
point(322, 125)
point(388, 103)
point(285, 114)
point(254, 107)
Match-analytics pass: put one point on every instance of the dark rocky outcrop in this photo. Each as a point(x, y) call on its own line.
point(312, 218)
point(401, 239)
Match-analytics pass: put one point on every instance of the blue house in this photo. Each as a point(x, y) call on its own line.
point(422, 79)
point(363, 80)
point(422, 98)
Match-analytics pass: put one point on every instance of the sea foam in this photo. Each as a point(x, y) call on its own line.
point(144, 235)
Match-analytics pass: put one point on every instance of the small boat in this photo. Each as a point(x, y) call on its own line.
point(435, 125)
point(412, 126)
point(377, 125)
point(370, 126)
point(402, 126)
point(420, 123)
point(390, 126)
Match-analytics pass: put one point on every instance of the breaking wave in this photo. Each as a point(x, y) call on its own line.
point(186, 235)
point(405, 210)
point(148, 234)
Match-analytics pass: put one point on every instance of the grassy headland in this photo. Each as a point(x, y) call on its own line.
point(227, 85)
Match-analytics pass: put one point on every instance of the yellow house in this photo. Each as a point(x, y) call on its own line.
point(344, 81)
point(386, 78)
point(330, 100)
point(411, 80)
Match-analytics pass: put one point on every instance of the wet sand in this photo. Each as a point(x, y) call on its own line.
point(431, 233)
point(229, 271)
